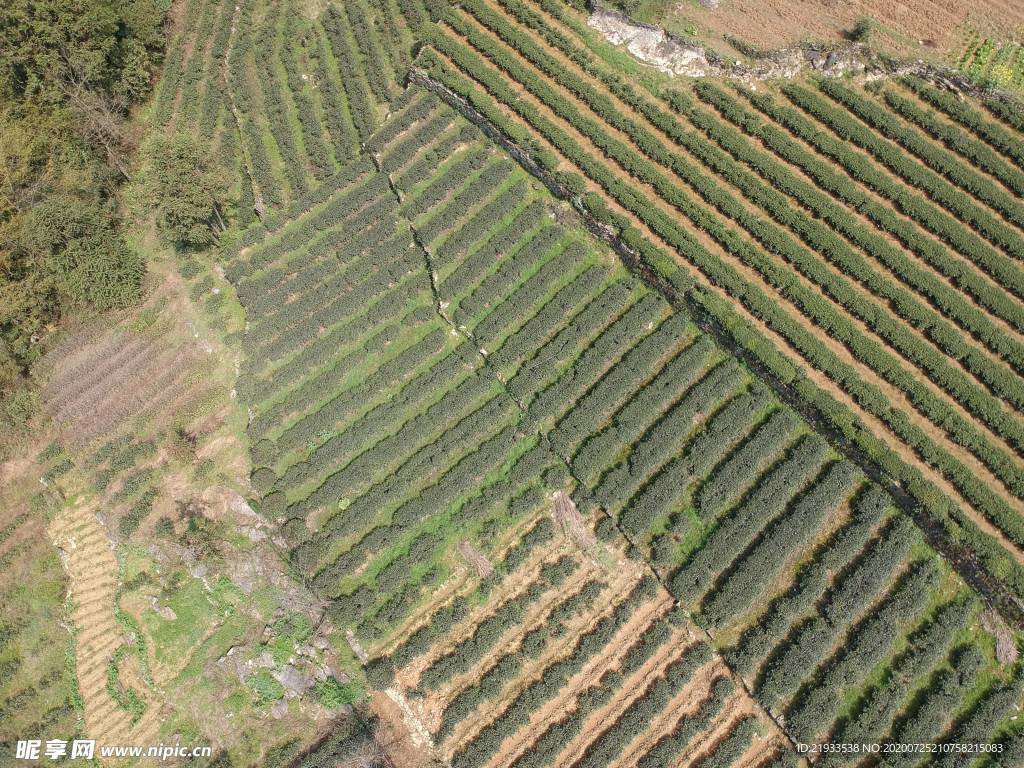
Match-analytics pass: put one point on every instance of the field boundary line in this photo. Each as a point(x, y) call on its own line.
point(961, 559)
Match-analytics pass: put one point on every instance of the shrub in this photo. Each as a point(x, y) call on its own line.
point(264, 687)
point(333, 695)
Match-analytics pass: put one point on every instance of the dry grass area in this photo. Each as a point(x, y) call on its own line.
point(145, 369)
point(928, 28)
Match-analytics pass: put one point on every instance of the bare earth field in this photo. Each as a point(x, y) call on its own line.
point(916, 28)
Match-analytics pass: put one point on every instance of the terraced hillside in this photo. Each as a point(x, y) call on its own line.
point(863, 246)
point(550, 410)
point(493, 449)
point(115, 710)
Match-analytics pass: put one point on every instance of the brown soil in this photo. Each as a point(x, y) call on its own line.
point(698, 749)
point(424, 611)
point(456, 584)
point(513, 584)
point(441, 695)
point(556, 707)
point(439, 698)
point(925, 28)
point(761, 751)
point(537, 618)
point(395, 736)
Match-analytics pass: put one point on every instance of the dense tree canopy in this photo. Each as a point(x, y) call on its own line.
point(51, 49)
point(70, 72)
point(184, 188)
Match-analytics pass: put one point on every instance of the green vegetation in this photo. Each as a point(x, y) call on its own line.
point(598, 414)
point(883, 344)
point(368, 433)
point(333, 694)
point(38, 688)
point(69, 76)
point(990, 61)
point(184, 188)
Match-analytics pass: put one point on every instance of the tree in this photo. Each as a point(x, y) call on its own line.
point(185, 188)
point(75, 243)
point(49, 48)
point(70, 71)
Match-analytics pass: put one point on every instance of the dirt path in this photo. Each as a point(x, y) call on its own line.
point(88, 558)
point(699, 748)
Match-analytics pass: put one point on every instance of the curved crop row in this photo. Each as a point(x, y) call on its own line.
point(810, 583)
point(754, 571)
point(883, 703)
